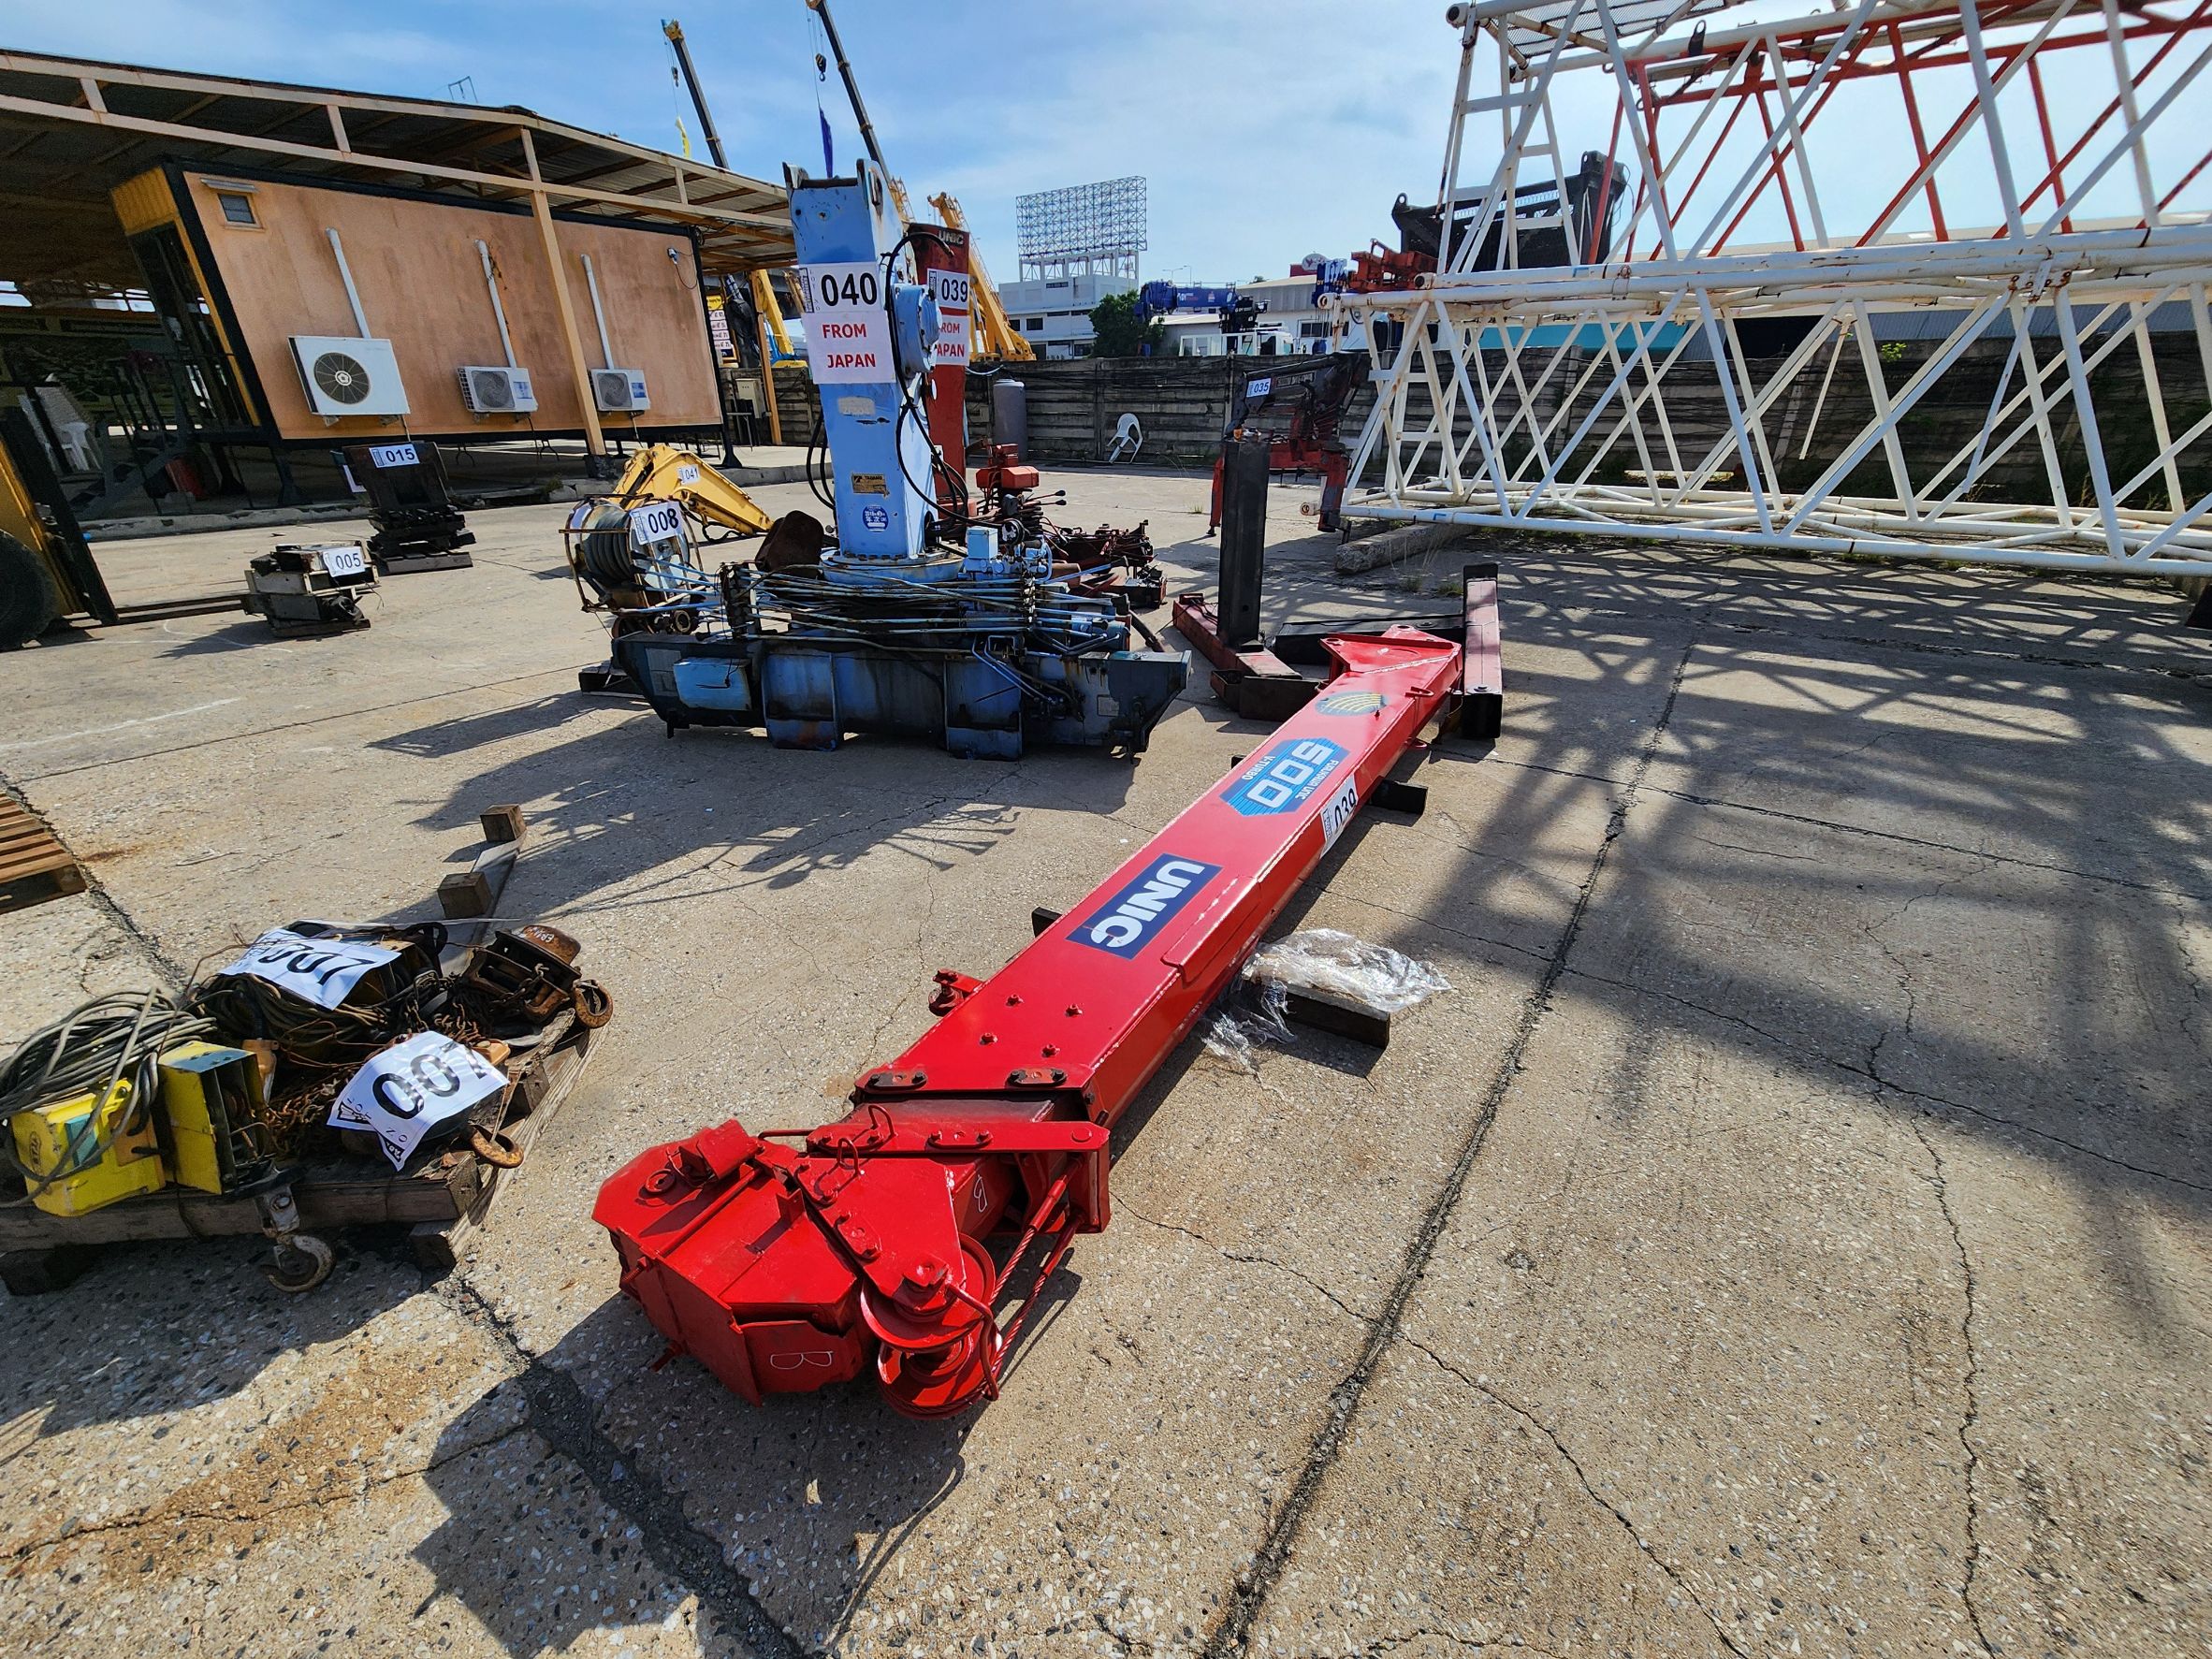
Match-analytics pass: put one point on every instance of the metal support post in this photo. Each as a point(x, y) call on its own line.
point(1244, 537)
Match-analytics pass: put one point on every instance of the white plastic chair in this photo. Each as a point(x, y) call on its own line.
point(1128, 437)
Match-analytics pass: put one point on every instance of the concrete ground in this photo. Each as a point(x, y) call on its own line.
point(1789, 1236)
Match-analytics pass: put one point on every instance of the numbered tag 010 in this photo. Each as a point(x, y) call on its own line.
point(412, 1088)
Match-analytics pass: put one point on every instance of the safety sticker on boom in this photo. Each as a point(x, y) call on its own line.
point(1130, 920)
point(1285, 777)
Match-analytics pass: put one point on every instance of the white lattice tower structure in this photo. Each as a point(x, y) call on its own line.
point(1892, 277)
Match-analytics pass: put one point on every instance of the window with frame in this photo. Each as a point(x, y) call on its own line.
point(238, 208)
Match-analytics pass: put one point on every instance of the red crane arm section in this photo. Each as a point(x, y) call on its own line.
point(786, 1267)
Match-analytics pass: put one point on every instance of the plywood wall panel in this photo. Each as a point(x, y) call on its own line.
point(421, 284)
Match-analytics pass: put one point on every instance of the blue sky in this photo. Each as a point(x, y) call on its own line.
point(1267, 132)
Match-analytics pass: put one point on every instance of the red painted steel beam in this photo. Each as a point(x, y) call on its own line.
point(791, 1259)
point(1254, 681)
point(938, 247)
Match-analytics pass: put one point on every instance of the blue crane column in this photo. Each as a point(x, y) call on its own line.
point(868, 341)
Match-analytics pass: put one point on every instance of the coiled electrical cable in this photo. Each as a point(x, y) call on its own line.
point(98, 1044)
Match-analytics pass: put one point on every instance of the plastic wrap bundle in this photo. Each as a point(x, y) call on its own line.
point(1338, 965)
point(1323, 960)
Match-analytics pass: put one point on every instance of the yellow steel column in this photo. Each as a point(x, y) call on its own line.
point(595, 440)
point(768, 381)
point(768, 319)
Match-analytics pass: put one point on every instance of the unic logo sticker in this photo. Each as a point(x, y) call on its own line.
point(1126, 922)
point(1285, 777)
point(1352, 703)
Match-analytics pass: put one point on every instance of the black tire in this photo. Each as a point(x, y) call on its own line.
point(28, 603)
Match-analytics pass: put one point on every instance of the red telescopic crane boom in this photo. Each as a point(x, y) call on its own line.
point(787, 1260)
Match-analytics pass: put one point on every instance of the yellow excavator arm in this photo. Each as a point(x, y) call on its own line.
point(995, 336)
point(662, 472)
point(764, 300)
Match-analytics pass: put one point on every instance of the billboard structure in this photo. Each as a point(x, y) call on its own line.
point(1083, 230)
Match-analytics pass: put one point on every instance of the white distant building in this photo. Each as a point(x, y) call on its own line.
point(1053, 314)
point(1291, 325)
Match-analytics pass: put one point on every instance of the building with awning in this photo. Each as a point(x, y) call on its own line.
point(218, 222)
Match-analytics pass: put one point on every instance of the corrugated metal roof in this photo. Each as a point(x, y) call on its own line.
point(73, 129)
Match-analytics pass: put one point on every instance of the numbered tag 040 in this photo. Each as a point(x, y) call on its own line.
point(848, 330)
point(412, 1088)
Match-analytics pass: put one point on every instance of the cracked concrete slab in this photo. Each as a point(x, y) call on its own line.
point(1756, 1382)
point(1455, 1523)
point(1853, 861)
point(242, 1472)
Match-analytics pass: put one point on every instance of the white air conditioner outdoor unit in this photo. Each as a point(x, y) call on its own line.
point(491, 390)
point(349, 376)
point(620, 391)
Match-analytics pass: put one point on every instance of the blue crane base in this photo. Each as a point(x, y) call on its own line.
point(812, 692)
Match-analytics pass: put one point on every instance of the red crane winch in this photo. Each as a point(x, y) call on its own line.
point(785, 1267)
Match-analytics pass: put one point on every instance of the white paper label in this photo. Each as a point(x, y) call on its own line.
point(317, 970)
point(1341, 805)
point(1260, 388)
point(392, 454)
point(658, 523)
point(848, 334)
point(344, 561)
point(412, 1088)
point(954, 290)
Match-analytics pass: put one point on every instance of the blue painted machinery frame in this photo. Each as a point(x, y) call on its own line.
point(921, 619)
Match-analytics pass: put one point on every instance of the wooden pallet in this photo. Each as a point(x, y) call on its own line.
point(35, 866)
point(445, 1202)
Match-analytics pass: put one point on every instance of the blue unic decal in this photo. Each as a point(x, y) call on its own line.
point(1285, 777)
point(875, 517)
point(1134, 916)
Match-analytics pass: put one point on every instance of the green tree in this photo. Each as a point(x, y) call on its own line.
point(1114, 321)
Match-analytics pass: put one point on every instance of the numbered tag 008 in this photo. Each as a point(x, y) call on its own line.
point(661, 521)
